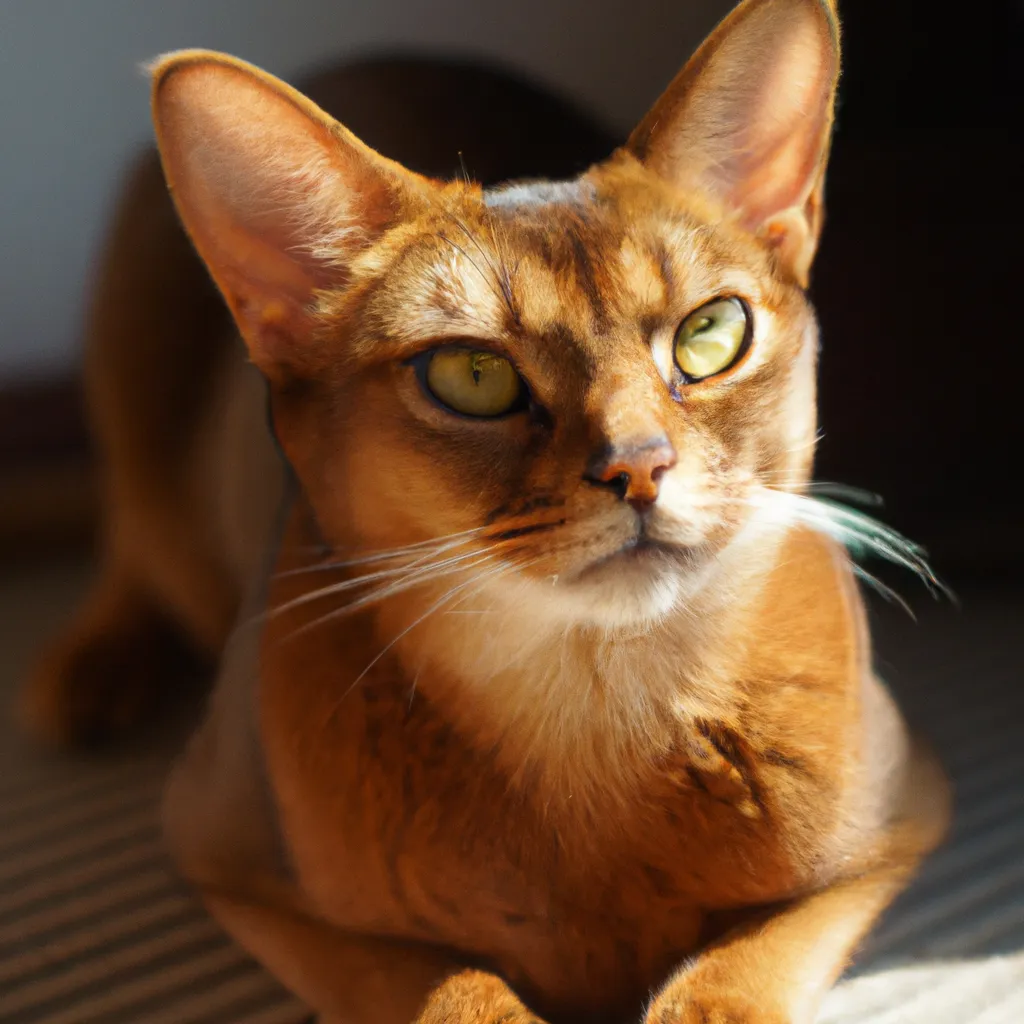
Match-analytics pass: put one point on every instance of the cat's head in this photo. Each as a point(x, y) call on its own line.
point(589, 384)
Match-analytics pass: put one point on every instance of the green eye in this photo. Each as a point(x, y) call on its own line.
point(473, 382)
point(709, 340)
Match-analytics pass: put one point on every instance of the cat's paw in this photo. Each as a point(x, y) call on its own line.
point(475, 997)
point(106, 676)
point(698, 1006)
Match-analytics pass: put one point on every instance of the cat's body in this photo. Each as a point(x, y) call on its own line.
point(540, 685)
point(399, 826)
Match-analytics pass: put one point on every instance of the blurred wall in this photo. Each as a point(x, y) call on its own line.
point(73, 103)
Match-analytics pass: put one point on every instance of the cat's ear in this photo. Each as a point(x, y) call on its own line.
point(277, 196)
point(748, 121)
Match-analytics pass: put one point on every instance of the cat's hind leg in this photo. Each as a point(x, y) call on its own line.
point(156, 339)
point(120, 656)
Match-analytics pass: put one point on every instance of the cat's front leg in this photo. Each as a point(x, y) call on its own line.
point(475, 997)
point(778, 970)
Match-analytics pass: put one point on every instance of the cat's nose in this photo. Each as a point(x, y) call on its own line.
point(634, 470)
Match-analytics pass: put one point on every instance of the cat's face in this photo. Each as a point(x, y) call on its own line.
point(588, 384)
point(515, 366)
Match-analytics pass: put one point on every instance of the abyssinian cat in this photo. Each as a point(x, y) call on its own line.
point(552, 694)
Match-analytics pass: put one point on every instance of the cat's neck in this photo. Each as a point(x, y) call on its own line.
point(576, 706)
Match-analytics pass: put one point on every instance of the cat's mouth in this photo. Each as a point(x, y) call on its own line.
point(642, 547)
point(639, 580)
point(644, 552)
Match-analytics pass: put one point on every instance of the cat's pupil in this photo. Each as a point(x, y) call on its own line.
point(474, 368)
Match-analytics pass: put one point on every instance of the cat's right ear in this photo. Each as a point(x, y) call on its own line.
point(277, 197)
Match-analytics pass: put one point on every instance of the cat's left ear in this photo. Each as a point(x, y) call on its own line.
point(748, 121)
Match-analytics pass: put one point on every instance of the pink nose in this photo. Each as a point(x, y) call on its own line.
point(633, 471)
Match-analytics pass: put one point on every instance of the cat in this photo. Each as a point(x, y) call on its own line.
point(551, 693)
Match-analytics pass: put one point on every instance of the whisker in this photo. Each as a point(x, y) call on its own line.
point(883, 589)
point(519, 566)
point(412, 689)
point(422, 618)
point(382, 593)
point(381, 573)
point(825, 488)
point(470, 260)
point(505, 276)
point(383, 556)
point(405, 579)
point(861, 534)
point(845, 492)
point(814, 441)
point(500, 279)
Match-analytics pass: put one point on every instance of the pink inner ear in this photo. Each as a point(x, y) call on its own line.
point(276, 196)
point(272, 199)
point(748, 119)
point(786, 131)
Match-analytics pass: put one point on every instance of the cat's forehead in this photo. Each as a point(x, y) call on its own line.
point(519, 197)
point(570, 260)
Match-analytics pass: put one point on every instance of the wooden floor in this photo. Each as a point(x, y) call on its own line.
point(94, 929)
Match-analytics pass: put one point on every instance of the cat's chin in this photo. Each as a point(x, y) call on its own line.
point(640, 584)
point(643, 555)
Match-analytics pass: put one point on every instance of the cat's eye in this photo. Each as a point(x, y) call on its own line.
point(710, 339)
point(474, 382)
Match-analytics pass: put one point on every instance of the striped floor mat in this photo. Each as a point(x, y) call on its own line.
point(94, 929)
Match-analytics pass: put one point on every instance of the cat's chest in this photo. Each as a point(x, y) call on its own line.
point(398, 827)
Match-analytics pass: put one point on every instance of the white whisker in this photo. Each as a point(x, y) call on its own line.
point(844, 492)
point(883, 589)
point(861, 534)
point(400, 587)
point(448, 595)
point(440, 543)
point(402, 573)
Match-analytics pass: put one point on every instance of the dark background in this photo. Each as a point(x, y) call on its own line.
point(918, 282)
